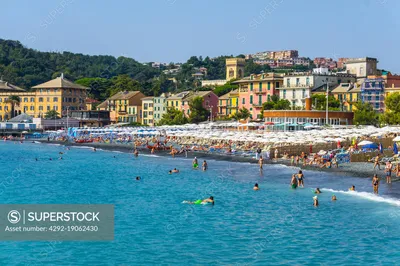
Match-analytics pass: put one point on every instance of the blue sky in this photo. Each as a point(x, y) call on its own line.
point(174, 30)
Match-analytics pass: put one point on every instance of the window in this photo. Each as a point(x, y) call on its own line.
point(163, 108)
point(55, 108)
point(25, 100)
point(5, 108)
point(259, 99)
point(40, 99)
point(287, 82)
point(243, 101)
point(351, 107)
point(276, 85)
point(293, 94)
point(251, 86)
point(297, 82)
point(48, 91)
point(48, 99)
point(32, 108)
point(176, 103)
point(55, 99)
point(308, 81)
point(1, 108)
point(377, 106)
point(304, 93)
point(284, 94)
point(40, 108)
point(1, 99)
point(377, 98)
point(220, 102)
point(269, 85)
point(251, 99)
point(32, 100)
point(269, 97)
point(48, 107)
point(351, 98)
point(260, 86)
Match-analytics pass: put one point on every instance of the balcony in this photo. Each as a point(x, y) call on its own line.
point(233, 107)
point(257, 105)
point(263, 91)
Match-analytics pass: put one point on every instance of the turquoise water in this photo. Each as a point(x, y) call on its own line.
point(275, 225)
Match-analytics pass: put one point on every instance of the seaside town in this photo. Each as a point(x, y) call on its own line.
point(174, 133)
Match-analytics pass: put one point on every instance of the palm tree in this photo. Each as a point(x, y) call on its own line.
point(14, 101)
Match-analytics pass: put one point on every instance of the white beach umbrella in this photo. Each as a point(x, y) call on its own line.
point(365, 142)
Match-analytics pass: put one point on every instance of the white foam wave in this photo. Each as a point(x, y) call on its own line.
point(366, 195)
point(83, 147)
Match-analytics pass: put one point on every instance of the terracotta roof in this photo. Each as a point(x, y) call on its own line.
point(196, 94)
point(59, 83)
point(225, 96)
point(148, 98)
point(5, 86)
point(124, 95)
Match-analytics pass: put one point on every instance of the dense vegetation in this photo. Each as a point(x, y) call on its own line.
point(106, 75)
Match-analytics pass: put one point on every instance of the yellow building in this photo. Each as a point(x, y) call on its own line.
point(228, 104)
point(58, 94)
point(348, 94)
point(176, 101)
point(234, 68)
point(148, 111)
point(124, 107)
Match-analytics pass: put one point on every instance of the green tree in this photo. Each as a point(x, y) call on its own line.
point(99, 88)
point(52, 114)
point(197, 112)
point(319, 102)
point(124, 83)
point(282, 104)
point(14, 101)
point(392, 113)
point(365, 114)
point(242, 113)
point(224, 89)
point(173, 117)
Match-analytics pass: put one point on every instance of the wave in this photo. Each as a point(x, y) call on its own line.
point(83, 147)
point(366, 195)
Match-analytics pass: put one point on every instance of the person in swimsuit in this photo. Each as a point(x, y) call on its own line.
point(138, 178)
point(375, 183)
point(136, 153)
point(317, 191)
point(300, 178)
point(333, 197)
point(388, 170)
point(293, 182)
point(195, 163)
point(256, 187)
point(209, 200)
point(376, 163)
point(205, 166)
point(353, 188)
point(174, 171)
point(260, 162)
point(315, 198)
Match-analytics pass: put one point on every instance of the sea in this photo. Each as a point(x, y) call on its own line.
point(276, 225)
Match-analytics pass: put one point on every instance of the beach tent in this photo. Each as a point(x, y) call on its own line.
point(395, 149)
point(370, 146)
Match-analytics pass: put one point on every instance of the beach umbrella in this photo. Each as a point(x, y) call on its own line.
point(365, 142)
point(396, 138)
point(380, 147)
point(395, 150)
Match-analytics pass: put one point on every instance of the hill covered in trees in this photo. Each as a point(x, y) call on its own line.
point(106, 75)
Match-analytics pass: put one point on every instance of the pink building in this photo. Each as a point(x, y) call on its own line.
point(258, 89)
point(210, 102)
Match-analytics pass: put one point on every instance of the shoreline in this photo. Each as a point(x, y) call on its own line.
point(354, 169)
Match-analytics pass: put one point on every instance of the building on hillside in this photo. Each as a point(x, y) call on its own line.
point(160, 107)
point(228, 104)
point(124, 107)
point(235, 68)
point(297, 87)
point(325, 62)
point(148, 109)
point(347, 94)
point(257, 89)
point(59, 94)
point(362, 67)
point(341, 63)
point(210, 102)
point(176, 100)
point(373, 92)
point(91, 118)
point(276, 55)
point(213, 83)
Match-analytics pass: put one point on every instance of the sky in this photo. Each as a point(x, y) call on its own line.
point(173, 30)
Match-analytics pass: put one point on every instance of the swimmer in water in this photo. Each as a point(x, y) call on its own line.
point(205, 166)
point(256, 187)
point(195, 161)
point(174, 171)
point(36, 159)
point(94, 150)
point(209, 200)
point(138, 178)
point(353, 188)
point(315, 198)
point(333, 197)
point(293, 182)
point(317, 191)
point(300, 178)
point(136, 153)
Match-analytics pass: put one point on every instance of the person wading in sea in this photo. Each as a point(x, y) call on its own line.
point(260, 162)
point(388, 170)
point(375, 183)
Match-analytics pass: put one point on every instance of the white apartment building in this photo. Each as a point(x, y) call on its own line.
point(297, 87)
